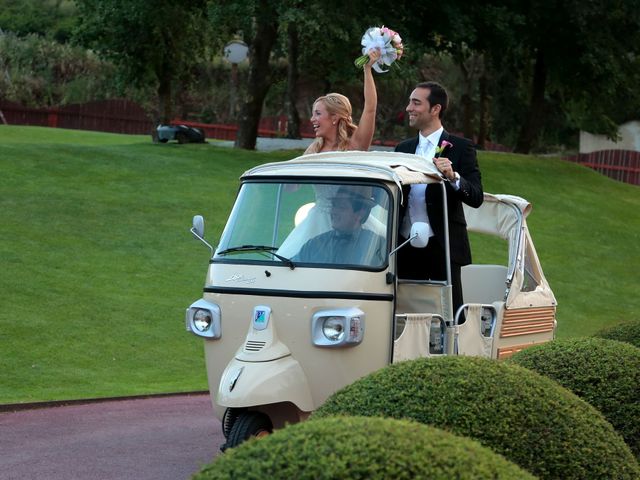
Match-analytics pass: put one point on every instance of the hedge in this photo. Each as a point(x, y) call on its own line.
point(361, 448)
point(628, 332)
point(605, 373)
point(528, 418)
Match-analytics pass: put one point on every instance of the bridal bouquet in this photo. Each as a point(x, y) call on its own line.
point(387, 41)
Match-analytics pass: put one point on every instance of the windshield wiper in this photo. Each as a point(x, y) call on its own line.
point(259, 248)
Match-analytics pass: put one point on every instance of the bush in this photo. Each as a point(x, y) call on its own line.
point(363, 448)
point(605, 373)
point(628, 332)
point(530, 419)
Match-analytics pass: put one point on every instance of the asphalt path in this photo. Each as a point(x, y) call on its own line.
point(270, 144)
point(152, 438)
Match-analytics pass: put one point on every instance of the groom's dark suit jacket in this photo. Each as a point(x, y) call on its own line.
point(463, 157)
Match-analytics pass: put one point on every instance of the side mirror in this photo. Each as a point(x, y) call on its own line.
point(420, 233)
point(198, 226)
point(419, 237)
point(197, 230)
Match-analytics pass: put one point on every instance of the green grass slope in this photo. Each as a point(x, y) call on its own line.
point(97, 264)
point(586, 230)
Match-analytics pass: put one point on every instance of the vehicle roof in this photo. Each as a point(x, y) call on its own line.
point(403, 168)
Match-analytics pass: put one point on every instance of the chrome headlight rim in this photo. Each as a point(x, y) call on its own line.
point(204, 319)
point(326, 323)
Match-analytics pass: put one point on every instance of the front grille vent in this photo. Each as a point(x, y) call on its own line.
point(253, 346)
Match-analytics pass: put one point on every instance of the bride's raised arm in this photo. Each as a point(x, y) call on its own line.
point(361, 139)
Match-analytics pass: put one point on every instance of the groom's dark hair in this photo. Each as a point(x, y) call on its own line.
point(437, 95)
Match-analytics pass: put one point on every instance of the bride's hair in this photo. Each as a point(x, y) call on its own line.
point(339, 105)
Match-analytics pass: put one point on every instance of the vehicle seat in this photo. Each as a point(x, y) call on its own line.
point(416, 337)
point(470, 339)
point(483, 283)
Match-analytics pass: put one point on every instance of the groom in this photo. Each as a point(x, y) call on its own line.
point(458, 164)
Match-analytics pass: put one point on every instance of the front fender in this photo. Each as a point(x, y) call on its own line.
point(247, 384)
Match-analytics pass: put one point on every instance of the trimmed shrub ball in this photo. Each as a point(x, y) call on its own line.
point(361, 448)
point(529, 419)
point(605, 373)
point(628, 332)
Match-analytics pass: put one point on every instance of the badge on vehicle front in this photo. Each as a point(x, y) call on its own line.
point(261, 316)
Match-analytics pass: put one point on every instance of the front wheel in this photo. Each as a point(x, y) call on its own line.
point(229, 418)
point(246, 426)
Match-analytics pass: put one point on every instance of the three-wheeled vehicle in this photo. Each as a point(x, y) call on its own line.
point(285, 326)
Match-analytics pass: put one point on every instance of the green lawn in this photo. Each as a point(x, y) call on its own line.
point(97, 263)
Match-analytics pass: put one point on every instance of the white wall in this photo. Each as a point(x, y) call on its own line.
point(630, 139)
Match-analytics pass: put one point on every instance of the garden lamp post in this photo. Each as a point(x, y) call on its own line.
point(234, 52)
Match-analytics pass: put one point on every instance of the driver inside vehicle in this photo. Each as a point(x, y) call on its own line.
point(347, 242)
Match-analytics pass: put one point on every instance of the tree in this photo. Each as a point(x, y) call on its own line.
point(257, 21)
point(579, 59)
point(550, 66)
point(53, 19)
point(320, 26)
point(312, 25)
point(293, 117)
point(155, 42)
point(259, 81)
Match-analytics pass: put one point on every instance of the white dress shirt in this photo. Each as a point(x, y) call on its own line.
point(417, 206)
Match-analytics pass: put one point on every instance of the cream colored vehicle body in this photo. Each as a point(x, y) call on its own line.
point(281, 335)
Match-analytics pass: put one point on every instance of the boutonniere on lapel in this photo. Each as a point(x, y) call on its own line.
point(442, 147)
point(439, 151)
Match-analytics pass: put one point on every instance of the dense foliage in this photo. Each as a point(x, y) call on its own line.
point(526, 417)
point(39, 72)
point(154, 42)
point(628, 332)
point(361, 448)
point(53, 19)
point(605, 373)
point(527, 75)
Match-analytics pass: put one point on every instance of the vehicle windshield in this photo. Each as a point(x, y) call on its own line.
point(324, 224)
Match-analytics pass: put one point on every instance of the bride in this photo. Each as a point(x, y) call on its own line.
point(332, 122)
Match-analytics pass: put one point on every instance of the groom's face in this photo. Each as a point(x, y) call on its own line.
point(421, 114)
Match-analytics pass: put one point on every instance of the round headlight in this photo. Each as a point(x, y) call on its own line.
point(202, 320)
point(333, 328)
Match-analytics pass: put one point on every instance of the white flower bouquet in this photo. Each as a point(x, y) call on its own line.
point(386, 41)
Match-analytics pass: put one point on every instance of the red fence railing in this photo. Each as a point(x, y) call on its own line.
point(124, 116)
point(621, 165)
point(116, 116)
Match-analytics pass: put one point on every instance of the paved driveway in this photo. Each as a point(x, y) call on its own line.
point(152, 438)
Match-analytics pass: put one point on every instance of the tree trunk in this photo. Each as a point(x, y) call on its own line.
point(531, 126)
point(259, 74)
point(467, 112)
point(293, 118)
point(165, 110)
point(483, 130)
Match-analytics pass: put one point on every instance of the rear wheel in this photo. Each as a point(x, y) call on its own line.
point(246, 426)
